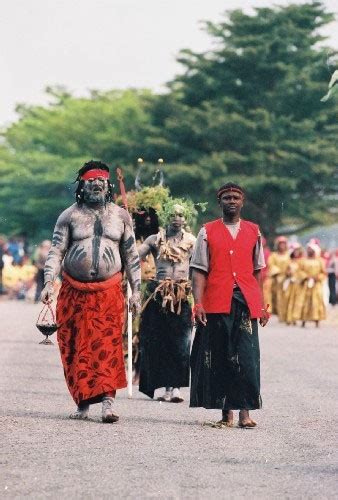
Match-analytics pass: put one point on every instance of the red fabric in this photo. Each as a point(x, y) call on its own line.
point(231, 261)
point(233, 189)
point(91, 317)
point(95, 173)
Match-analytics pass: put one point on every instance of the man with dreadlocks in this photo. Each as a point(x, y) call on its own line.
point(227, 291)
point(165, 328)
point(93, 242)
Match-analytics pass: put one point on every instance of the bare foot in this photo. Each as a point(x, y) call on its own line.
point(228, 418)
point(245, 420)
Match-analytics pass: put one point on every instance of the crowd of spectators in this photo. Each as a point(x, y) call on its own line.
point(21, 268)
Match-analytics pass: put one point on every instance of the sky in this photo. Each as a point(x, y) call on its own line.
point(103, 44)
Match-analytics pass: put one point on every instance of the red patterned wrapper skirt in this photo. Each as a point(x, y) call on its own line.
point(90, 319)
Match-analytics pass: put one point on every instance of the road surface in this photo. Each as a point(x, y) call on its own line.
point(161, 450)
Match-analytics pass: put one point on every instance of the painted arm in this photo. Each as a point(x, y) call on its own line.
point(199, 281)
point(131, 261)
point(147, 246)
point(130, 258)
point(56, 254)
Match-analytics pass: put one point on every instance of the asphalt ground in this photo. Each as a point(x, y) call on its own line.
point(162, 450)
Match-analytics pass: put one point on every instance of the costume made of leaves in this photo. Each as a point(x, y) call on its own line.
point(186, 206)
point(171, 250)
point(149, 197)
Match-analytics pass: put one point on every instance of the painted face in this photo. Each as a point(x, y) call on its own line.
point(231, 202)
point(95, 190)
point(177, 219)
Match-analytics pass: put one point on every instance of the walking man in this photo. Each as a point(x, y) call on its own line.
point(165, 329)
point(93, 242)
point(225, 359)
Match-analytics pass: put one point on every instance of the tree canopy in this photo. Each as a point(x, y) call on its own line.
point(248, 111)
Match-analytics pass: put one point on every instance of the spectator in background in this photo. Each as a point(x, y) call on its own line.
point(40, 258)
point(332, 270)
point(19, 278)
point(15, 248)
point(278, 262)
point(292, 284)
point(2, 252)
point(311, 293)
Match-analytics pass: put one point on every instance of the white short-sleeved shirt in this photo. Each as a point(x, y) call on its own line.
point(200, 258)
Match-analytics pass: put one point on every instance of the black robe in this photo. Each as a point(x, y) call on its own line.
point(225, 361)
point(164, 345)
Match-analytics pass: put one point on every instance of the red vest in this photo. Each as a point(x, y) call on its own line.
point(231, 261)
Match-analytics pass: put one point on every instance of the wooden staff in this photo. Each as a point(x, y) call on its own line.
point(120, 179)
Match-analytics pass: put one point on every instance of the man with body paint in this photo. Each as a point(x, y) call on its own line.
point(165, 327)
point(93, 242)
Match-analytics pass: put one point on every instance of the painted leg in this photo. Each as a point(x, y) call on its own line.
point(81, 412)
point(108, 414)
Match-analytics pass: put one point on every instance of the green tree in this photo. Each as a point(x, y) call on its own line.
point(47, 145)
point(250, 111)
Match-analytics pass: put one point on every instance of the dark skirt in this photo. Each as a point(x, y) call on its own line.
point(164, 347)
point(225, 361)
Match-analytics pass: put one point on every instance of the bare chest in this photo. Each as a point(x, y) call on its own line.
point(91, 224)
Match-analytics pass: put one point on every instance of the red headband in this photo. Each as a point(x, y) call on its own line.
point(236, 190)
point(95, 173)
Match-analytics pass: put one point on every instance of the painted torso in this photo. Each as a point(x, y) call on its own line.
point(171, 254)
point(91, 243)
point(93, 251)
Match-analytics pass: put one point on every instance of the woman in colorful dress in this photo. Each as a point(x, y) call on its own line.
point(311, 293)
point(292, 285)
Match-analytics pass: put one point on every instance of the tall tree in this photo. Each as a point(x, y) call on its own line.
point(47, 145)
point(250, 111)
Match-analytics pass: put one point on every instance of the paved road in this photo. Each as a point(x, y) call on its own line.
point(161, 450)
